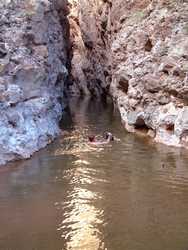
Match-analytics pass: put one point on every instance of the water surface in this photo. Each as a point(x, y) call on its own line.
point(129, 195)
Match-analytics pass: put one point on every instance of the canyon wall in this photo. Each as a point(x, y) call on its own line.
point(150, 67)
point(90, 66)
point(33, 59)
point(138, 50)
point(134, 50)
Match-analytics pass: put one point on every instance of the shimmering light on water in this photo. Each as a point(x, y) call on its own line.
point(129, 195)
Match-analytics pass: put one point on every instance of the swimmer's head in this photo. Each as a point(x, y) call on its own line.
point(91, 138)
point(109, 136)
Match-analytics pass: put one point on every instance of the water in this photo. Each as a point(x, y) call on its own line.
point(130, 195)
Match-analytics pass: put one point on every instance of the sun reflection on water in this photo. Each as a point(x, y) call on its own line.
point(81, 218)
point(76, 143)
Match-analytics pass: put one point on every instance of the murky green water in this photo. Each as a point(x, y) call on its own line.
point(130, 195)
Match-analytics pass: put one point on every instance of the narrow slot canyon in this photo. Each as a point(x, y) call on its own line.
point(75, 70)
point(135, 52)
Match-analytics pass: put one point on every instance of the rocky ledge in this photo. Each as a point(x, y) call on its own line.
point(33, 57)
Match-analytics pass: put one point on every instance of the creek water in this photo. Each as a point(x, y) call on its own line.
point(128, 195)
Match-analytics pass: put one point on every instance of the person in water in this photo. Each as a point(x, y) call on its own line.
point(108, 137)
point(91, 138)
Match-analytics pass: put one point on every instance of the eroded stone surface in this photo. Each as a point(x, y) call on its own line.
point(32, 75)
point(149, 49)
point(90, 68)
point(135, 50)
point(143, 47)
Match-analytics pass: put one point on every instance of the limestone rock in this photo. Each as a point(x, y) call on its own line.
point(33, 72)
point(88, 31)
point(139, 51)
point(149, 45)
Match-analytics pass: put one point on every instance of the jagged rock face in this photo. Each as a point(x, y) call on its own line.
point(137, 50)
point(145, 59)
point(90, 70)
point(150, 67)
point(32, 75)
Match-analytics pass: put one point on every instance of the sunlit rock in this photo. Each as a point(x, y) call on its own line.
point(33, 72)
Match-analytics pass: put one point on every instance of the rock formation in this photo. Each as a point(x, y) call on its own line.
point(150, 67)
point(33, 58)
point(90, 65)
point(134, 50)
point(138, 48)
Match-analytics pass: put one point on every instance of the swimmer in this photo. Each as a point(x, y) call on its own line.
point(108, 137)
point(91, 138)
